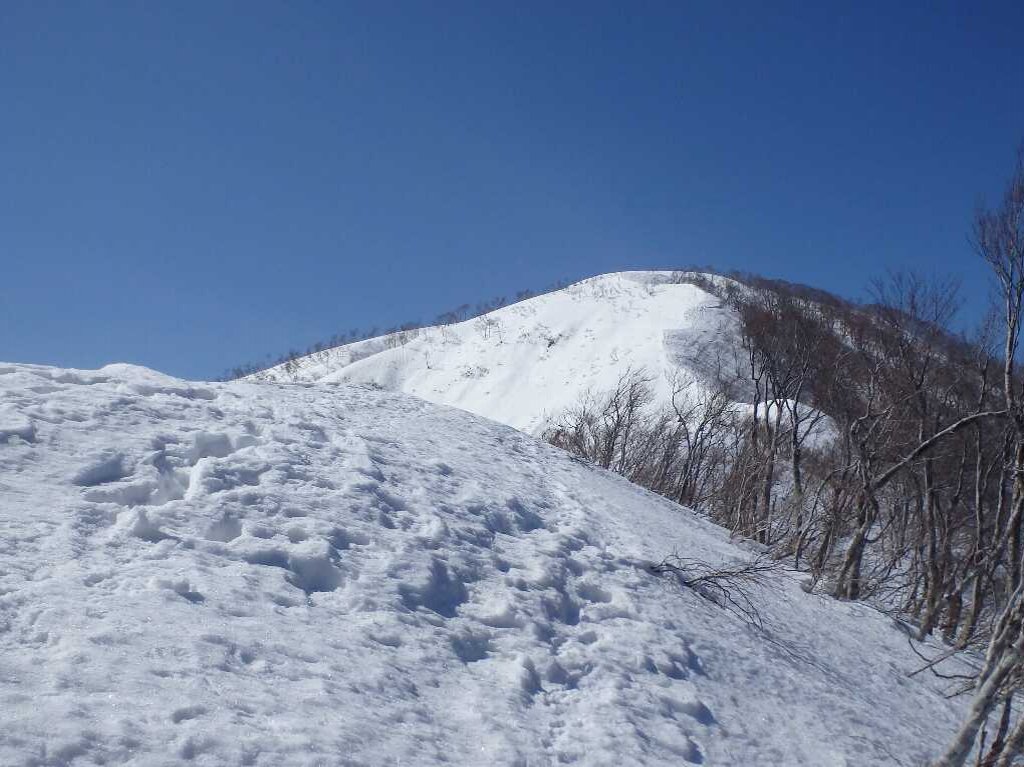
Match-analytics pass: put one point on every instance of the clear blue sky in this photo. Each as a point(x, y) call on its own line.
point(191, 185)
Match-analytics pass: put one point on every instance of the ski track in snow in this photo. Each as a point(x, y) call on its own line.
point(323, 574)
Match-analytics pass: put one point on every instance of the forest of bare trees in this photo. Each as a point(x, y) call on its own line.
point(867, 444)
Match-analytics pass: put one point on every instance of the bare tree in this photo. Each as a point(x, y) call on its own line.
point(999, 240)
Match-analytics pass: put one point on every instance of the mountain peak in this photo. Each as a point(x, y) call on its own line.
point(524, 363)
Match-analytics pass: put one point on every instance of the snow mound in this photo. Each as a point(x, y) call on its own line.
point(314, 574)
point(526, 363)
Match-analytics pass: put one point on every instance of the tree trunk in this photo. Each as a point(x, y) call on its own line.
point(1014, 744)
point(985, 700)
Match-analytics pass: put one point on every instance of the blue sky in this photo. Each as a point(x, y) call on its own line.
point(193, 185)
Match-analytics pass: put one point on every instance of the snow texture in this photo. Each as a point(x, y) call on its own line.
point(279, 575)
point(524, 364)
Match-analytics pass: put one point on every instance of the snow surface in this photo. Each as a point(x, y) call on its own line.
point(526, 363)
point(334, 575)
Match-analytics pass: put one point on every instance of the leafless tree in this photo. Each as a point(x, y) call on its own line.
point(999, 240)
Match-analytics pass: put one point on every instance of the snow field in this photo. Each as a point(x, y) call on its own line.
point(326, 574)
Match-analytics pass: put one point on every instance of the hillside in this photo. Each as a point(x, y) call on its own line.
point(525, 363)
point(328, 574)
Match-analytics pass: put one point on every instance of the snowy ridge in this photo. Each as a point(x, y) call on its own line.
point(321, 574)
point(526, 363)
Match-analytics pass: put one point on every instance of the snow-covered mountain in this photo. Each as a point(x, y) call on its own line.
point(526, 363)
point(312, 574)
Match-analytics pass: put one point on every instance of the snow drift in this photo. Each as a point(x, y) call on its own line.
point(325, 574)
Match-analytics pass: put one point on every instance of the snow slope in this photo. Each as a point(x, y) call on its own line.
point(319, 574)
point(525, 363)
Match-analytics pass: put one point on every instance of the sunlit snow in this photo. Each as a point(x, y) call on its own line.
point(326, 574)
point(526, 363)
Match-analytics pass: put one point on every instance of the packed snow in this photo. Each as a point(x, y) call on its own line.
point(526, 363)
point(322, 574)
